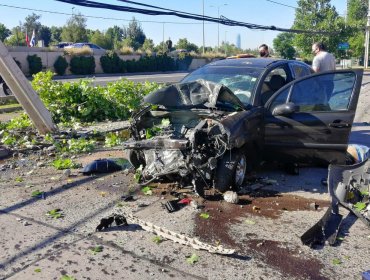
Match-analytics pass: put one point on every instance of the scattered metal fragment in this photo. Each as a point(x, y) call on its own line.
point(349, 187)
point(165, 233)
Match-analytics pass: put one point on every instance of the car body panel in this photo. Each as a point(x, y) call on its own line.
point(316, 134)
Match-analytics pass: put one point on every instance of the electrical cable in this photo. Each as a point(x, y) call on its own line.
point(168, 12)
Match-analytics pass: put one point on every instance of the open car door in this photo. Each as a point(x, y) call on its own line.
point(309, 120)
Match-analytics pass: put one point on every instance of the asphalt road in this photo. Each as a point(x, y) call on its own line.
point(139, 78)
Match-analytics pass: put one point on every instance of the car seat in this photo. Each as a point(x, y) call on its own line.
point(276, 82)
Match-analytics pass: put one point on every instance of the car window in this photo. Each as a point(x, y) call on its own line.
point(299, 70)
point(240, 80)
point(328, 92)
point(275, 80)
point(281, 98)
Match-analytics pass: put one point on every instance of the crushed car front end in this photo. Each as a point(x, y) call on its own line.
point(184, 132)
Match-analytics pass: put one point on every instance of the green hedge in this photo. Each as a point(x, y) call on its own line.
point(112, 63)
point(82, 65)
point(34, 64)
point(60, 65)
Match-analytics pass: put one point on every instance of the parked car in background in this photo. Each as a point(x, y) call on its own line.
point(81, 45)
point(61, 45)
point(228, 115)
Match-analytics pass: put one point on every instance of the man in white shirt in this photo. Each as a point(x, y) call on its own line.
point(323, 61)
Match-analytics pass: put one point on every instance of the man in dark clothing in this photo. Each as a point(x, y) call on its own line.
point(264, 50)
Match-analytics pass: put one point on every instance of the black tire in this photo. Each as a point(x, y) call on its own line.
point(231, 171)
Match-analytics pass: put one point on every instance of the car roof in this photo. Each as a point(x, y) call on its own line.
point(248, 62)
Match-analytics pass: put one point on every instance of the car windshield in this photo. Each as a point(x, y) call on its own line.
point(240, 80)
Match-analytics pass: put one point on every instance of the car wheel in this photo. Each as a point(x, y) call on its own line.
point(231, 171)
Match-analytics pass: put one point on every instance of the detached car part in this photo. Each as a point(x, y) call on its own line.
point(349, 186)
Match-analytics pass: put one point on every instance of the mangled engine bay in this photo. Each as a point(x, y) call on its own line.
point(183, 132)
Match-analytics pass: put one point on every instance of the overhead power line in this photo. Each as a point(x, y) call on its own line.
point(96, 17)
point(167, 12)
point(282, 4)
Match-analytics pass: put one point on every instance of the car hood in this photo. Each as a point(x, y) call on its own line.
point(199, 92)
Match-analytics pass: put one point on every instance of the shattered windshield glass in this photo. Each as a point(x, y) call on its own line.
point(240, 80)
point(199, 93)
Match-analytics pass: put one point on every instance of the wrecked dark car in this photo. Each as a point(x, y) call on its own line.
point(225, 117)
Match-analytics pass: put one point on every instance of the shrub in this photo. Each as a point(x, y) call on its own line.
point(34, 64)
point(82, 65)
point(111, 63)
point(183, 61)
point(60, 65)
point(126, 50)
point(85, 50)
point(84, 102)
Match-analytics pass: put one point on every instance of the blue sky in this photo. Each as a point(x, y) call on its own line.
point(261, 12)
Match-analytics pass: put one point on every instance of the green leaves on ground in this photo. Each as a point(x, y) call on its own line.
point(147, 190)
point(249, 222)
point(192, 259)
point(204, 215)
point(37, 193)
point(37, 270)
point(19, 179)
point(360, 206)
point(113, 139)
point(55, 214)
point(67, 277)
point(97, 249)
point(157, 239)
point(337, 261)
point(67, 163)
point(137, 175)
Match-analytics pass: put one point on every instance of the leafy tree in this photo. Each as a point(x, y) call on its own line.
point(114, 35)
point(135, 33)
point(75, 29)
point(148, 45)
point(17, 38)
point(356, 22)
point(4, 32)
point(169, 44)
point(56, 34)
point(32, 23)
point(283, 44)
point(101, 40)
point(185, 44)
point(45, 35)
point(317, 15)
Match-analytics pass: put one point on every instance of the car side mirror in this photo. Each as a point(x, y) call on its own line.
point(285, 109)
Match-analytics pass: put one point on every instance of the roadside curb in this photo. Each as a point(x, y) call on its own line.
point(10, 109)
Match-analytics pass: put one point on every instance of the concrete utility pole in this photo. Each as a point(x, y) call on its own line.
point(24, 93)
point(366, 58)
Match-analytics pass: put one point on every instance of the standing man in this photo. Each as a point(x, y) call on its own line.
point(264, 50)
point(323, 61)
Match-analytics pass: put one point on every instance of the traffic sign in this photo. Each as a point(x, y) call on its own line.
point(343, 46)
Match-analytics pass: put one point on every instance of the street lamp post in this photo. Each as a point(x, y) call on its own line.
point(218, 25)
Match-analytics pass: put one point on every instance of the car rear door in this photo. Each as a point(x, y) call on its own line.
point(309, 120)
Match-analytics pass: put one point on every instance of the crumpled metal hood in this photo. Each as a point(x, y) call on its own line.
point(200, 92)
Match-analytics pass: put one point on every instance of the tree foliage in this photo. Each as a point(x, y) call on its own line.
point(283, 45)
point(75, 29)
point(32, 23)
point(4, 32)
point(100, 39)
point(135, 33)
point(186, 45)
point(45, 35)
point(317, 15)
point(148, 45)
point(56, 34)
point(114, 35)
point(17, 38)
point(356, 22)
